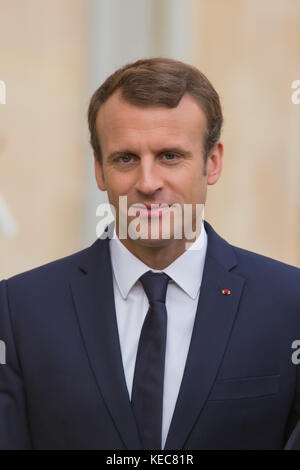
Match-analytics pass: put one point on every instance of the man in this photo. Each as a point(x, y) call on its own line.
point(147, 341)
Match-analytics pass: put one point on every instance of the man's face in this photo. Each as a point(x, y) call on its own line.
point(154, 155)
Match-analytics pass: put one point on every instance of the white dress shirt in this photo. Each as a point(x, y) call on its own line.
point(131, 304)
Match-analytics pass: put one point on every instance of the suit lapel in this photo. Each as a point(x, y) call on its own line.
point(94, 303)
point(211, 333)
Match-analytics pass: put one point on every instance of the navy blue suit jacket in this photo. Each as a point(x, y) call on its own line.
point(63, 384)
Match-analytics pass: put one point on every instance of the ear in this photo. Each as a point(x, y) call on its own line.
point(214, 163)
point(99, 174)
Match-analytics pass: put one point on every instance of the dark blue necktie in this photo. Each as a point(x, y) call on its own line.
point(148, 381)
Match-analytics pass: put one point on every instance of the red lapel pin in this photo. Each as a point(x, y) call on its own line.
point(226, 292)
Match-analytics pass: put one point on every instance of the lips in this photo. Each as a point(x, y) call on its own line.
point(145, 210)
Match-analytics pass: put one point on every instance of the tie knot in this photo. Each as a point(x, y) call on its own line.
point(155, 285)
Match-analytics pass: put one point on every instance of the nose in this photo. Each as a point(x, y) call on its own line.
point(149, 177)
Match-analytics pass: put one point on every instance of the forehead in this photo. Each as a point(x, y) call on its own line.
point(119, 121)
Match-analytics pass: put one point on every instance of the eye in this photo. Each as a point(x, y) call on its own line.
point(124, 159)
point(170, 157)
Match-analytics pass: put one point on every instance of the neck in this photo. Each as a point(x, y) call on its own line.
point(161, 255)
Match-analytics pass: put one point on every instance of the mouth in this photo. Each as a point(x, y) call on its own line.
point(151, 210)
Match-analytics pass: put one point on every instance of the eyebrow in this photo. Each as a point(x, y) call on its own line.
point(177, 149)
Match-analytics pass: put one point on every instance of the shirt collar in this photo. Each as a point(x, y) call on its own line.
point(186, 270)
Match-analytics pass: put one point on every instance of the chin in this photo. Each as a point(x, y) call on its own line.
point(153, 243)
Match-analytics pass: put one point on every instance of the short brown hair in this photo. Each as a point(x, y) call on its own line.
point(159, 81)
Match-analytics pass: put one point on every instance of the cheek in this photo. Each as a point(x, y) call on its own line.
point(118, 183)
point(189, 184)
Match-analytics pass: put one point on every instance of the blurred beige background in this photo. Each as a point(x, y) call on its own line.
point(55, 53)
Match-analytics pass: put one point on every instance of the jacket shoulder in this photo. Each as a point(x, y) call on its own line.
point(261, 261)
point(60, 269)
point(272, 275)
